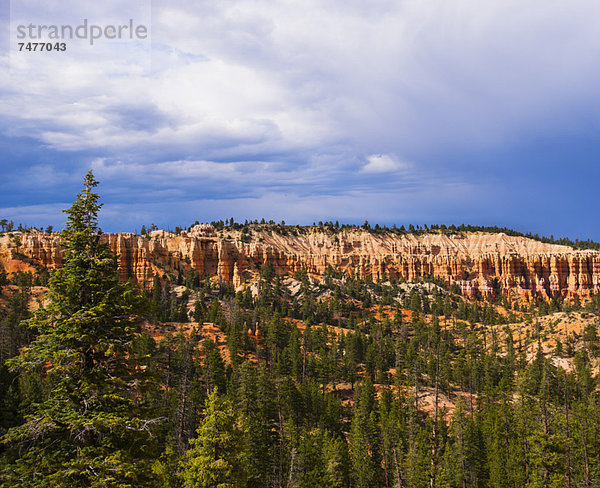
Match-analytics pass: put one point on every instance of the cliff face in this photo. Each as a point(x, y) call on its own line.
point(477, 262)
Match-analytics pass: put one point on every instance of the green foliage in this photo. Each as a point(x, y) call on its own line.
point(215, 459)
point(319, 382)
point(87, 424)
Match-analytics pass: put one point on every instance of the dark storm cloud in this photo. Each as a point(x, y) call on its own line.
point(447, 112)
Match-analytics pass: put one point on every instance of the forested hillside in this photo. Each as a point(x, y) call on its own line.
point(290, 380)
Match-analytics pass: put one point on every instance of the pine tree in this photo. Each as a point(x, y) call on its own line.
point(216, 456)
point(364, 440)
point(335, 454)
point(87, 428)
point(214, 366)
point(256, 404)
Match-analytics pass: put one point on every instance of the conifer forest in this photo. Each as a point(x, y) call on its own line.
point(287, 381)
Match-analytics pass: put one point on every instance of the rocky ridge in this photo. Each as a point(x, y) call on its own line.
point(479, 263)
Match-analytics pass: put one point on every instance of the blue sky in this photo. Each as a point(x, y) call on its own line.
point(405, 111)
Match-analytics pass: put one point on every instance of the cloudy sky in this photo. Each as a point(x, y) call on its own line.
point(405, 111)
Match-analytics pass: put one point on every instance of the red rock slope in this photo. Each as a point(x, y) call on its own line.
point(477, 262)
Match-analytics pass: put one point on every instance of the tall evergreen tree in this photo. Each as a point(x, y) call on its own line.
point(364, 439)
point(215, 459)
point(88, 427)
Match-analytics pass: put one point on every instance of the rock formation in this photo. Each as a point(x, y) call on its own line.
point(479, 263)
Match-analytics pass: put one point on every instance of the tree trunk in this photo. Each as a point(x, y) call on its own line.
point(398, 471)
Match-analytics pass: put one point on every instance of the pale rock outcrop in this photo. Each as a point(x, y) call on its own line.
point(479, 263)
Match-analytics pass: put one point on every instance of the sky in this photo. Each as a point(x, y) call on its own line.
point(396, 112)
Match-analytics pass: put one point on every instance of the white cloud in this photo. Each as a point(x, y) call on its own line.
point(281, 76)
point(272, 76)
point(384, 163)
point(268, 97)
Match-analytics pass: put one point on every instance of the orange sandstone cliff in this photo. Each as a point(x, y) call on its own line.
point(479, 263)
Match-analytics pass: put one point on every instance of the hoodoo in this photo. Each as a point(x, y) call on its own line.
point(479, 263)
